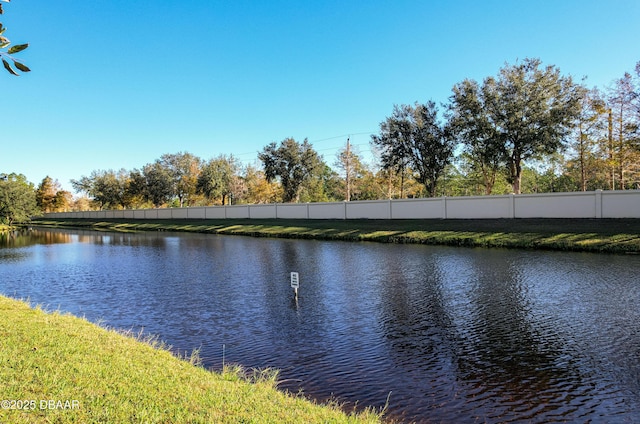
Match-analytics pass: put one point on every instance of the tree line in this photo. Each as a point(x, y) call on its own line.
point(527, 129)
point(571, 138)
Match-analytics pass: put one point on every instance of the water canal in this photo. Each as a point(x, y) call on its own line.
point(446, 334)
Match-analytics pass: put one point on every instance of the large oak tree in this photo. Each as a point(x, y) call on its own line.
point(412, 137)
point(524, 113)
point(293, 163)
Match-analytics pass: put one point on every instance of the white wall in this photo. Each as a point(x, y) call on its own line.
point(555, 205)
point(620, 204)
point(240, 211)
point(418, 208)
point(369, 209)
point(593, 204)
point(263, 211)
point(164, 213)
point(479, 207)
point(196, 213)
point(215, 212)
point(293, 211)
point(332, 210)
point(178, 213)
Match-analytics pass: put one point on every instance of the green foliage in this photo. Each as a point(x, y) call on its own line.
point(7, 54)
point(106, 187)
point(217, 177)
point(322, 186)
point(482, 154)
point(369, 186)
point(136, 190)
point(589, 126)
point(17, 199)
point(363, 182)
point(293, 163)
point(183, 169)
point(524, 113)
point(157, 186)
point(413, 138)
point(623, 142)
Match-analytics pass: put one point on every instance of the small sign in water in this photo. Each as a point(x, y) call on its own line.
point(295, 280)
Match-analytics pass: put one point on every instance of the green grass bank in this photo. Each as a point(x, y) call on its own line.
point(584, 235)
point(57, 368)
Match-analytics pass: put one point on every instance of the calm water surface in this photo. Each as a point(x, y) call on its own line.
point(446, 334)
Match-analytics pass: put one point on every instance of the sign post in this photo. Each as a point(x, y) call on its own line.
point(295, 283)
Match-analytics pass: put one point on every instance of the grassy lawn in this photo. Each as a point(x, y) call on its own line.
point(63, 369)
point(588, 235)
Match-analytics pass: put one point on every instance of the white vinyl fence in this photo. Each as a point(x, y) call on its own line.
point(590, 204)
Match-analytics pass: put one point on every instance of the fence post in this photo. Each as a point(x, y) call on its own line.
point(444, 207)
point(598, 199)
point(512, 205)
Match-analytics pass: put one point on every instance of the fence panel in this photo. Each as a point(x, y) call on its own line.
point(262, 211)
point(164, 213)
point(327, 210)
point(215, 212)
point(480, 207)
point(179, 213)
point(241, 211)
point(196, 213)
point(369, 209)
point(293, 211)
point(418, 208)
point(621, 204)
point(555, 205)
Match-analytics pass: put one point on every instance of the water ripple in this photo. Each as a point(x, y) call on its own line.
point(447, 335)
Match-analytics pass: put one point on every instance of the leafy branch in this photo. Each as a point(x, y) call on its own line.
point(6, 52)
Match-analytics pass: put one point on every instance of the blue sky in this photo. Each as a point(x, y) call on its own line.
point(115, 83)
